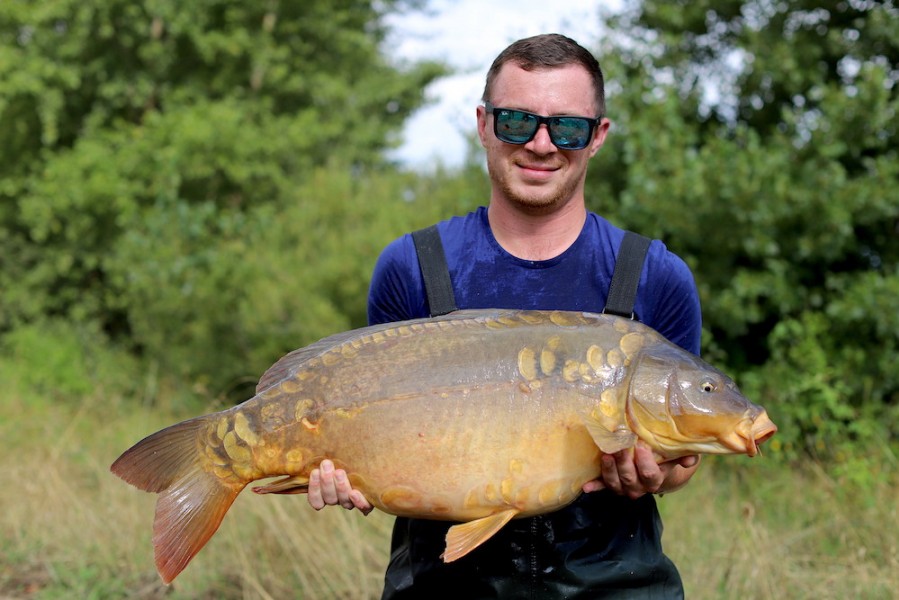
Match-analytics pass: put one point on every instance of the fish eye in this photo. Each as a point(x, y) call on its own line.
point(708, 386)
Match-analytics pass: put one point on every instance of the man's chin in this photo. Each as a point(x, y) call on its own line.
point(528, 196)
point(535, 208)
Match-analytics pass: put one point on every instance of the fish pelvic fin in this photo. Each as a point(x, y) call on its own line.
point(192, 499)
point(610, 440)
point(465, 537)
point(298, 484)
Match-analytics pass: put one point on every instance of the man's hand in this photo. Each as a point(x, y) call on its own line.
point(329, 487)
point(634, 472)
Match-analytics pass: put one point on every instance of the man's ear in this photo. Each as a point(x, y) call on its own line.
point(599, 135)
point(482, 125)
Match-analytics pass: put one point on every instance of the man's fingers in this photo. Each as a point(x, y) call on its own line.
point(593, 486)
point(627, 470)
point(650, 474)
point(689, 461)
point(314, 493)
point(631, 472)
point(343, 489)
point(331, 487)
point(360, 502)
point(328, 484)
point(610, 473)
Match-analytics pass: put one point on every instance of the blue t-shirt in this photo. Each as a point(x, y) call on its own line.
point(602, 545)
point(484, 275)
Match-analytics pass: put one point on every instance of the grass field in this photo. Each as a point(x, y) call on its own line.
point(747, 528)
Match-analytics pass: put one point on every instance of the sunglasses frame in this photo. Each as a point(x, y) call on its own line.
point(549, 121)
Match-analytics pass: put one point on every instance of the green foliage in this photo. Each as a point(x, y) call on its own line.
point(781, 190)
point(148, 152)
point(53, 360)
point(76, 67)
point(110, 108)
point(217, 295)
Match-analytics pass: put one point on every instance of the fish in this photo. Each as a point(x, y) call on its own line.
point(477, 417)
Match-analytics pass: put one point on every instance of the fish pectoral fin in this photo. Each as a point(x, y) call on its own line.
point(465, 537)
point(295, 484)
point(610, 441)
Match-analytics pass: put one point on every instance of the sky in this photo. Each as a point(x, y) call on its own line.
point(468, 34)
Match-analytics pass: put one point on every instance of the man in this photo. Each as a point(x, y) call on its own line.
point(535, 246)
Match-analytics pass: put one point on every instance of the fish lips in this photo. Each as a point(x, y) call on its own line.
point(757, 431)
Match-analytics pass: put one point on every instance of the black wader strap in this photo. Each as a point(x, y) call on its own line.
point(439, 289)
point(626, 277)
point(434, 271)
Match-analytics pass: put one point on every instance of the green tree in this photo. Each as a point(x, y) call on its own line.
point(144, 145)
point(759, 140)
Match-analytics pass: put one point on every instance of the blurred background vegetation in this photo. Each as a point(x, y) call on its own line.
point(190, 190)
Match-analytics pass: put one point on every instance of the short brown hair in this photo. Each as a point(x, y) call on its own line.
point(545, 52)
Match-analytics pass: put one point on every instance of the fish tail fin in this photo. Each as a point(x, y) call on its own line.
point(192, 499)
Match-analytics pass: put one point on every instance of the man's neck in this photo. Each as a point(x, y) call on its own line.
point(536, 236)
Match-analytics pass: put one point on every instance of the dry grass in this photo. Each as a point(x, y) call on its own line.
point(747, 529)
point(762, 530)
point(72, 529)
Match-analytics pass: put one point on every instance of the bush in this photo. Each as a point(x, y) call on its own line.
point(55, 360)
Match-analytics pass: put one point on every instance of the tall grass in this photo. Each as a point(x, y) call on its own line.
point(743, 528)
point(72, 529)
point(756, 529)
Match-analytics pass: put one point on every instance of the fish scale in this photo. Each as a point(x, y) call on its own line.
point(476, 417)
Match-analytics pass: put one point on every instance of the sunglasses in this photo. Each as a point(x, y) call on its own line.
point(520, 127)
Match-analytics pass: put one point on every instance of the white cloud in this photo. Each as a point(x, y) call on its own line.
point(468, 34)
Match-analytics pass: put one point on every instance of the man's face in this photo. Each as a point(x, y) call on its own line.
point(538, 177)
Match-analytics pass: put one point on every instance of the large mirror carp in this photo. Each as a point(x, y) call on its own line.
point(477, 417)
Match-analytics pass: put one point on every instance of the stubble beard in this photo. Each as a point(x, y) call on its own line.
point(534, 200)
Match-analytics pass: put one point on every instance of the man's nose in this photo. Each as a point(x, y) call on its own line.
point(542, 143)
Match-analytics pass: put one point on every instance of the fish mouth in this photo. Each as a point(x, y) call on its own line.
point(756, 431)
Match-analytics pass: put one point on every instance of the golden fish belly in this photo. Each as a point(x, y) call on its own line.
point(463, 455)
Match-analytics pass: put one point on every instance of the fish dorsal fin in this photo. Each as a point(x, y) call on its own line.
point(610, 439)
point(465, 537)
point(288, 365)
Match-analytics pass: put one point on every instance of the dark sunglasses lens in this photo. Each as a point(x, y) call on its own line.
point(519, 127)
point(514, 126)
point(570, 133)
